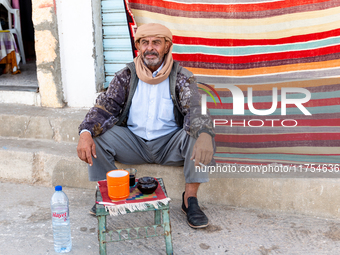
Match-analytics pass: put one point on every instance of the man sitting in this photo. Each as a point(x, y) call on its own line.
point(151, 113)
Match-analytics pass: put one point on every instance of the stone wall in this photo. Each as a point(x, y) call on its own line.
point(47, 53)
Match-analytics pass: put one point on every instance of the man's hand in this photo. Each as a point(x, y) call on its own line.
point(203, 150)
point(86, 148)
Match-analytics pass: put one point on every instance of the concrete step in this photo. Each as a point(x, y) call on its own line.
point(22, 97)
point(43, 162)
point(23, 121)
point(48, 163)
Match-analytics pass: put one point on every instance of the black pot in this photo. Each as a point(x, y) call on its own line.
point(147, 185)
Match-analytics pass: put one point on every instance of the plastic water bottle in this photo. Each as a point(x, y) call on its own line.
point(61, 221)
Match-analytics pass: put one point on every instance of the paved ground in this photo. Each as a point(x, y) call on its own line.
point(25, 228)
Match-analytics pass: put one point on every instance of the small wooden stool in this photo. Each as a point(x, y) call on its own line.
point(101, 214)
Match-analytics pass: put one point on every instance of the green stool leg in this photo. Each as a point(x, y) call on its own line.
point(167, 232)
point(158, 217)
point(102, 234)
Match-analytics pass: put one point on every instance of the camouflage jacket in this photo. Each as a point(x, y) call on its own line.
point(112, 106)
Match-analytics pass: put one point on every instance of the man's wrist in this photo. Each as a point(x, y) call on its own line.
point(85, 130)
point(204, 134)
point(206, 131)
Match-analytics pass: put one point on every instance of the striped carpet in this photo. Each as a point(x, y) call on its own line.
point(262, 45)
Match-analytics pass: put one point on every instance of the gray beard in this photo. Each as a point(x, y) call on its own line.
point(153, 64)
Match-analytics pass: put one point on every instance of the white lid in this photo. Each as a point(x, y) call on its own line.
point(117, 173)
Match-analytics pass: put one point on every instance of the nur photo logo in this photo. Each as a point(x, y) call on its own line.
point(239, 102)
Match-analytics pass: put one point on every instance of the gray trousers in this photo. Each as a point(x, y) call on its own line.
point(120, 144)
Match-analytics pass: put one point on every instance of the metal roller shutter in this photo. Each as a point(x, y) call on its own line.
point(116, 38)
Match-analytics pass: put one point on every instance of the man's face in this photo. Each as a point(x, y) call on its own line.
point(152, 51)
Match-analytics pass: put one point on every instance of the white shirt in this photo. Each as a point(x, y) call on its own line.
point(151, 113)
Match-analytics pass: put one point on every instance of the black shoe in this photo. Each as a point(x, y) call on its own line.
point(195, 217)
point(93, 210)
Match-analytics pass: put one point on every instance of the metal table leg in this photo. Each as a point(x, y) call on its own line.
point(102, 234)
point(167, 232)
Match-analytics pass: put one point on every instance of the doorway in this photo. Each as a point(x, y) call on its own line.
point(26, 80)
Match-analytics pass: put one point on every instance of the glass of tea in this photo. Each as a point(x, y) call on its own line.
point(132, 175)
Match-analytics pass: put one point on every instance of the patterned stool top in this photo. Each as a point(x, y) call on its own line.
point(136, 200)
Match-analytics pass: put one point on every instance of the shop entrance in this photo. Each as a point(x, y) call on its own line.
point(26, 80)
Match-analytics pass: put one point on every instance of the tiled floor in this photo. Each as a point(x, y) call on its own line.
point(26, 80)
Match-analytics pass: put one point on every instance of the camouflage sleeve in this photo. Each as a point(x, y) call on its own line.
point(190, 103)
point(109, 105)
